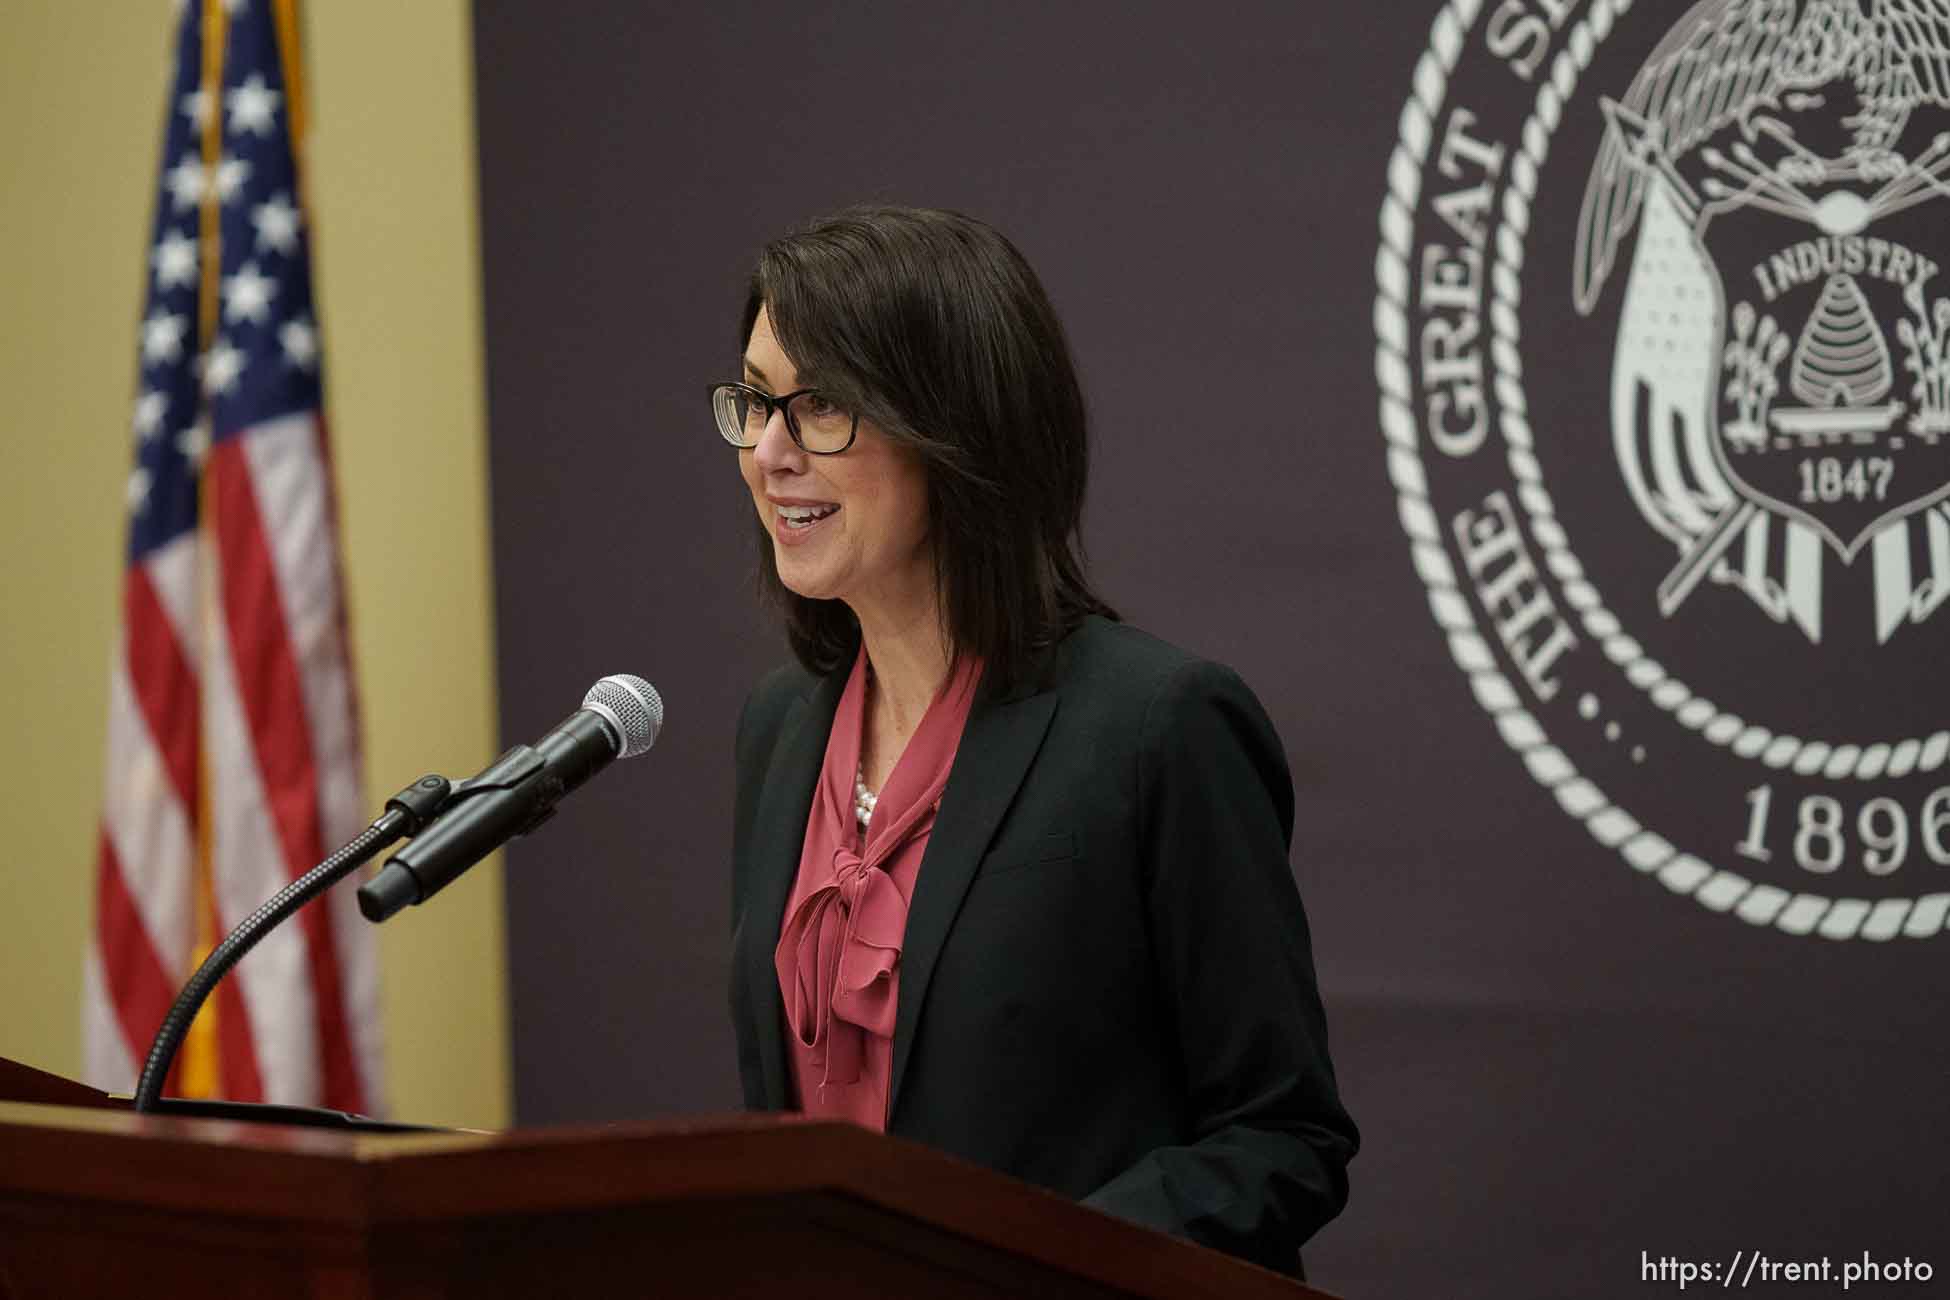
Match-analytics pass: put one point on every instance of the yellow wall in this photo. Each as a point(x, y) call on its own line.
point(396, 254)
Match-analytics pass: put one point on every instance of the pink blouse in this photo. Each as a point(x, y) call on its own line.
point(839, 953)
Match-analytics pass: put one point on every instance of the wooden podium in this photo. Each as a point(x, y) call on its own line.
point(98, 1200)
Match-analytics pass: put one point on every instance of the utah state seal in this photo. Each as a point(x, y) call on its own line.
point(1663, 342)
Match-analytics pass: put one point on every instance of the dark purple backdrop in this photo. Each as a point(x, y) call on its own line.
point(1557, 1063)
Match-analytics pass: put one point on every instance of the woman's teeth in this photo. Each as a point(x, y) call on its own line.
point(804, 516)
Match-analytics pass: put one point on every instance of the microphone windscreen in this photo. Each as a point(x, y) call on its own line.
point(632, 707)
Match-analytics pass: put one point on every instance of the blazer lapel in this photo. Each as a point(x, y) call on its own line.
point(778, 838)
point(997, 746)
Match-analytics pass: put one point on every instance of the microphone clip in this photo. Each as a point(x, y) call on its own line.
point(518, 767)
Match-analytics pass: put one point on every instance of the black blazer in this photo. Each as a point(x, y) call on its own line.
point(1106, 985)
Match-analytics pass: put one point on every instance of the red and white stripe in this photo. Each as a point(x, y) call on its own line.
point(233, 670)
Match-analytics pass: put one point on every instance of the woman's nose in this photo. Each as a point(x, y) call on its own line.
point(775, 449)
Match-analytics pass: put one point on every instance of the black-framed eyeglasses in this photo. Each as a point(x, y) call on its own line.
point(819, 425)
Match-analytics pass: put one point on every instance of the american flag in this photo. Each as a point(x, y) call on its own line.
point(233, 747)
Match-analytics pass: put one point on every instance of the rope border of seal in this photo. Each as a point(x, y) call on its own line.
point(1644, 850)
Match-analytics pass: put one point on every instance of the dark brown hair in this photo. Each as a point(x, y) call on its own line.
point(931, 325)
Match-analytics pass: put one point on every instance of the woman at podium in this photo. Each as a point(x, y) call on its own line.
point(1010, 876)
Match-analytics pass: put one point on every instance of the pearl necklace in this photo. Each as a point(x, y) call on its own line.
point(863, 798)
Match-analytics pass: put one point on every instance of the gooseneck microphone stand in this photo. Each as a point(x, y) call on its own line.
point(407, 813)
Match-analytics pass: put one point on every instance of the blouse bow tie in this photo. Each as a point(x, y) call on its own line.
point(845, 937)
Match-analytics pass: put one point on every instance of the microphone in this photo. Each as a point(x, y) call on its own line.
point(619, 718)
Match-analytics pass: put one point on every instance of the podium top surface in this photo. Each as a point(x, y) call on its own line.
point(361, 1182)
